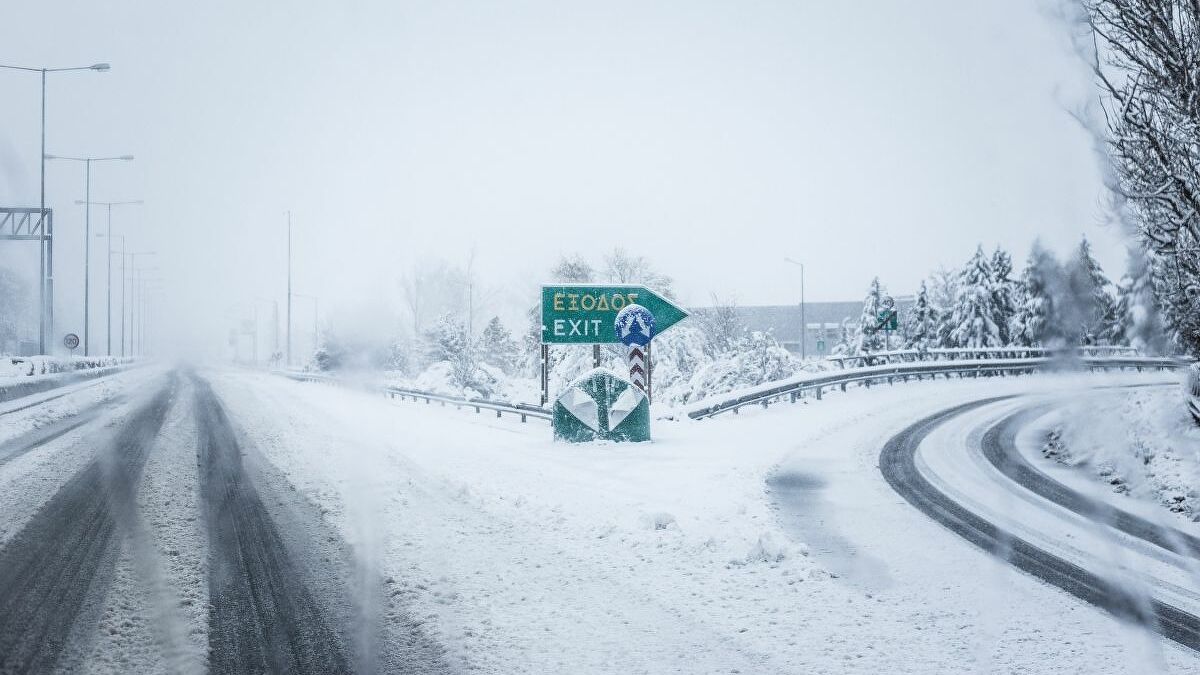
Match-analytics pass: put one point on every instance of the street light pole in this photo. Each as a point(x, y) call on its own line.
point(108, 271)
point(803, 320)
point(43, 291)
point(87, 235)
point(289, 290)
point(133, 304)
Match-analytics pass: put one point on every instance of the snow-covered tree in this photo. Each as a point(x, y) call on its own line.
point(448, 341)
point(573, 269)
point(1034, 324)
point(974, 323)
point(922, 322)
point(1005, 292)
point(723, 325)
point(497, 347)
point(1145, 61)
point(1138, 317)
point(622, 267)
point(867, 337)
point(943, 295)
point(1090, 305)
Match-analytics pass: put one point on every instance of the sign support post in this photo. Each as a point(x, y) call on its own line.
point(649, 374)
point(545, 373)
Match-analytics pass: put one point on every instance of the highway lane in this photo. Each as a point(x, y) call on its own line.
point(279, 580)
point(899, 465)
point(47, 569)
point(263, 618)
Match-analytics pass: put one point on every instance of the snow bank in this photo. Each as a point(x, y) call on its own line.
point(1141, 442)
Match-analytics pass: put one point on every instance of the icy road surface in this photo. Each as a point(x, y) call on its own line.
point(231, 521)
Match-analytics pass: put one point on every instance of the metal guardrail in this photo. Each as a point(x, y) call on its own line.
point(963, 353)
point(817, 384)
point(797, 388)
point(522, 410)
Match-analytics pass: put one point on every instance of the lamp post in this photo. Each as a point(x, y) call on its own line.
point(137, 317)
point(803, 321)
point(42, 290)
point(133, 269)
point(289, 292)
point(87, 234)
point(108, 267)
point(123, 255)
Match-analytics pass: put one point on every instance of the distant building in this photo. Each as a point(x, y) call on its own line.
point(824, 319)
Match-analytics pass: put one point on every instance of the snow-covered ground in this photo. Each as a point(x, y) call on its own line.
point(683, 555)
point(1141, 443)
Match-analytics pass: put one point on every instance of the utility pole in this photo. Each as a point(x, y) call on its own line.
point(289, 290)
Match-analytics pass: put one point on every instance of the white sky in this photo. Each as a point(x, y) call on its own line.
point(864, 138)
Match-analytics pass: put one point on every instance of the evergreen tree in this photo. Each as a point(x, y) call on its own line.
point(1033, 324)
point(1004, 293)
point(868, 339)
point(1091, 306)
point(1138, 317)
point(497, 346)
point(921, 325)
point(975, 311)
point(448, 341)
point(943, 294)
point(1116, 332)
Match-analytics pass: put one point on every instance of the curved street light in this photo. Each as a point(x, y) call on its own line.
point(87, 233)
point(42, 289)
point(108, 270)
point(803, 322)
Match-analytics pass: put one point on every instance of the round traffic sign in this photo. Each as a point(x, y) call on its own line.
point(634, 325)
point(71, 341)
point(887, 302)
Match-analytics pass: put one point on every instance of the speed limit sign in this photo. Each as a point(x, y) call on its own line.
point(71, 341)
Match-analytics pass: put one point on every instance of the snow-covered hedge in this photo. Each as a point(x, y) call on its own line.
point(29, 366)
point(686, 369)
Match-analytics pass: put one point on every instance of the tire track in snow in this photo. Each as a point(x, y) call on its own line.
point(262, 616)
point(1000, 448)
point(898, 465)
point(47, 569)
point(12, 449)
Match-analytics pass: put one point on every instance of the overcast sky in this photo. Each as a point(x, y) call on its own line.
point(863, 138)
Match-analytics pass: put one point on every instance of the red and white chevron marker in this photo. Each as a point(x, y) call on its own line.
point(637, 366)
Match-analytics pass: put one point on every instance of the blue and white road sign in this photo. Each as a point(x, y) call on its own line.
point(634, 325)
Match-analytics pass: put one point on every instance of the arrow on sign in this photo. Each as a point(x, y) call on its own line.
point(584, 313)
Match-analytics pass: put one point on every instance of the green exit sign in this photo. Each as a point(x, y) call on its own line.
point(584, 313)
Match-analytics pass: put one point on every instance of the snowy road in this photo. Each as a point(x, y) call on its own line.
point(46, 570)
point(185, 569)
point(171, 521)
point(1028, 529)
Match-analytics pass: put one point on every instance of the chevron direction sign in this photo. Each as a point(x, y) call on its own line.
point(583, 314)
